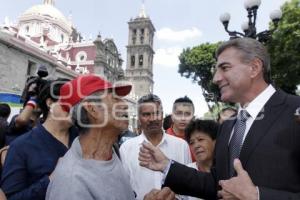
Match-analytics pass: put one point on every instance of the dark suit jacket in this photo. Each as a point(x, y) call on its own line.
point(270, 154)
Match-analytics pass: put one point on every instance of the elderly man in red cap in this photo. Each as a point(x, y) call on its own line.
point(91, 169)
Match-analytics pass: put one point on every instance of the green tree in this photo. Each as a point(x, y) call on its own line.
point(197, 63)
point(284, 48)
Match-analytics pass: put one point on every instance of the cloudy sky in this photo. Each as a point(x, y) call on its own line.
point(179, 24)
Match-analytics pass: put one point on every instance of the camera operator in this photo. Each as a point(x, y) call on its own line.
point(30, 113)
point(32, 157)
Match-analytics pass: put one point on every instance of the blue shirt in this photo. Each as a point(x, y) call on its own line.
point(30, 160)
point(13, 132)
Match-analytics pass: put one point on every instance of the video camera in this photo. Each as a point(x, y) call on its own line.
point(34, 84)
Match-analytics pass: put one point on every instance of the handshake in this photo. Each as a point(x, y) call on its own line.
point(163, 194)
point(235, 188)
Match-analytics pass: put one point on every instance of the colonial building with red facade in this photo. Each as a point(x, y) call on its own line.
point(44, 36)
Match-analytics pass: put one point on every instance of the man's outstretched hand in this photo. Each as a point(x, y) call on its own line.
point(152, 157)
point(163, 194)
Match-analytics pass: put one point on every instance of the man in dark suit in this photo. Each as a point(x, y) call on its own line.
point(257, 155)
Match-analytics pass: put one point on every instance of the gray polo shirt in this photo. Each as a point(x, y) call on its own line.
point(86, 179)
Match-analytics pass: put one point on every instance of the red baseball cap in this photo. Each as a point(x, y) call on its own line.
point(82, 86)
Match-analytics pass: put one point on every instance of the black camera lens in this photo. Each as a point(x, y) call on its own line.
point(42, 71)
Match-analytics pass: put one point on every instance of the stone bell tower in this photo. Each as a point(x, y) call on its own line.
point(139, 66)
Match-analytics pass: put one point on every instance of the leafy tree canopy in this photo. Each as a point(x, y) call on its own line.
point(284, 48)
point(197, 63)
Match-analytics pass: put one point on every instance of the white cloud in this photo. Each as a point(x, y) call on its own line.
point(178, 36)
point(167, 57)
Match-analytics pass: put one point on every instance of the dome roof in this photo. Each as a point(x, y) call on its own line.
point(46, 11)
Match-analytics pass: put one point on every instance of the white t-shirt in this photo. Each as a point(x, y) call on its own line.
point(143, 180)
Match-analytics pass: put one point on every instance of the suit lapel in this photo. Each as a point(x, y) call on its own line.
point(222, 160)
point(262, 124)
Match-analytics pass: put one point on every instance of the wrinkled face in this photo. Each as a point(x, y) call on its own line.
point(182, 115)
point(202, 146)
point(151, 118)
point(110, 113)
point(232, 76)
point(116, 112)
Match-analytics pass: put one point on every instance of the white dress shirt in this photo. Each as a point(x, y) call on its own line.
point(254, 108)
point(143, 180)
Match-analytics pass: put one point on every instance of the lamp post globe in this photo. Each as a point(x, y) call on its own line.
point(249, 27)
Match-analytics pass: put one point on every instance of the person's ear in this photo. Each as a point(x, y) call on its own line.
point(173, 117)
point(90, 109)
point(256, 67)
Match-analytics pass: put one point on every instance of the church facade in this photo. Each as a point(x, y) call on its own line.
point(44, 36)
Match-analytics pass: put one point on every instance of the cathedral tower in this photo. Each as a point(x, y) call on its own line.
point(139, 66)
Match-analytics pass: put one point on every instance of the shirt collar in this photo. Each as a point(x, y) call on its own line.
point(41, 132)
point(256, 105)
point(144, 138)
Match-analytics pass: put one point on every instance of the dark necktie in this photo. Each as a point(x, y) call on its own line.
point(236, 142)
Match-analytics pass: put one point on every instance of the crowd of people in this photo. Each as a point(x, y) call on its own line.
point(71, 140)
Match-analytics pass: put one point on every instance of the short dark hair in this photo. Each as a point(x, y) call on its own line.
point(49, 90)
point(167, 123)
point(4, 110)
point(149, 98)
point(184, 99)
point(208, 127)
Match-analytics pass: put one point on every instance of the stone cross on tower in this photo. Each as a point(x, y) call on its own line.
point(142, 13)
point(50, 2)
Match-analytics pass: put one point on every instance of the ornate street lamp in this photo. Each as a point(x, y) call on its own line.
point(249, 28)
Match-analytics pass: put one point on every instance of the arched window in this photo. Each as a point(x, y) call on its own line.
point(133, 36)
point(62, 37)
point(142, 36)
point(134, 32)
point(141, 60)
point(132, 61)
point(109, 62)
